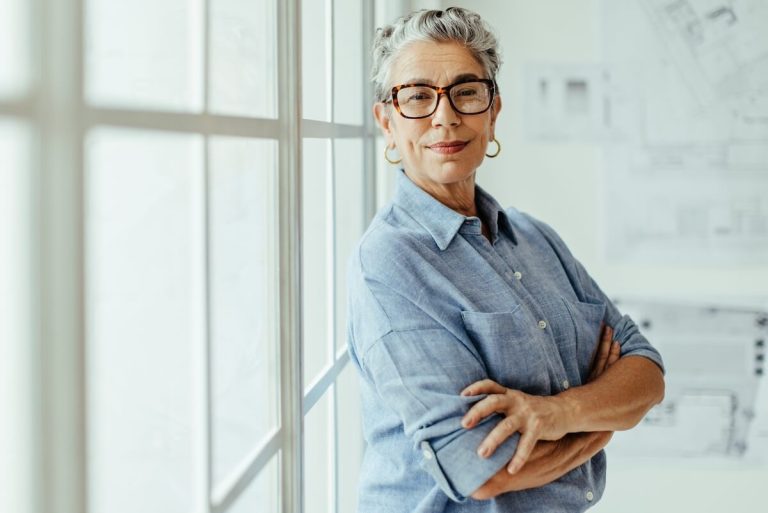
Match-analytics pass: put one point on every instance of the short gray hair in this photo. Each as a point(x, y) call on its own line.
point(453, 24)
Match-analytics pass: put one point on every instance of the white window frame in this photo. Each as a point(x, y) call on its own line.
point(60, 118)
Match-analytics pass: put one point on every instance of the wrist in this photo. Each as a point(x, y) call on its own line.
point(569, 412)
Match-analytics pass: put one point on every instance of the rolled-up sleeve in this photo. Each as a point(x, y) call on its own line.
point(418, 368)
point(419, 374)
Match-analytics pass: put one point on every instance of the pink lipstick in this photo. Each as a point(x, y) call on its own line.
point(448, 147)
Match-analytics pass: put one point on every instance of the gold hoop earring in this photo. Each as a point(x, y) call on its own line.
point(498, 149)
point(386, 157)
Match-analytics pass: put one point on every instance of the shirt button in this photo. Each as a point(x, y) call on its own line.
point(518, 275)
point(566, 384)
point(427, 454)
point(542, 324)
point(590, 496)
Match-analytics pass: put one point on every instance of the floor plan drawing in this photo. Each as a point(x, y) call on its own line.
point(716, 400)
point(691, 79)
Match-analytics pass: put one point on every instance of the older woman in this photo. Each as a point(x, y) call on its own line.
point(473, 327)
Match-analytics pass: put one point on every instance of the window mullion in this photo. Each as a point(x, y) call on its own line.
point(58, 258)
point(289, 253)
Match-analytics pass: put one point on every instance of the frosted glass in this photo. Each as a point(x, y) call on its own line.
point(316, 85)
point(316, 274)
point(243, 57)
point(145, 320)
point(348, 75)
point(350, 435)
point(17, 402)
point(243, 297)
point(350, 221)
point(318, 457)
point(14, 48)
point(144, 53)
point(263, 494)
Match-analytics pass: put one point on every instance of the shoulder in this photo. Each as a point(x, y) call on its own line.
point(529, 225)
point(392, 248)
point(536, 231)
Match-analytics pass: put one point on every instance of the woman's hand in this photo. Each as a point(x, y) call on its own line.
point(607, 353)
point(535, 417)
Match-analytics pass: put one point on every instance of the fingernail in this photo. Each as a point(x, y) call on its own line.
point(482, 452)
point(512, 469)
point(465, 422)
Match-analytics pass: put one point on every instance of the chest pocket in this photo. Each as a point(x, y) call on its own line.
point(586, 319)
point(509, 349)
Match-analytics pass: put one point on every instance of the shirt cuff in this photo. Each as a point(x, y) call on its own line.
point(455, 465)
point(651, 354)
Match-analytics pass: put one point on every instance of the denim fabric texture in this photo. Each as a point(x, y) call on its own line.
point(434, 306)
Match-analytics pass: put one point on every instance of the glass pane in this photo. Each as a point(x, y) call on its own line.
point(349, 77)
point(17, 402)
point(145, 320)
point(350, 224)
point(314, 60)
point(144, 53)
point(263, 494)
point(243, 297)
point(14, 47)
point(350, 436)
point(243, 57)
point(314, 257)
point(318, 456)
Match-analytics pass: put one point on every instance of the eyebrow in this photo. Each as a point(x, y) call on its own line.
point(458, 78)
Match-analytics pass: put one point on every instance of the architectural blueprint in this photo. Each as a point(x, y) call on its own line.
point(716, 400)
point(690, 152)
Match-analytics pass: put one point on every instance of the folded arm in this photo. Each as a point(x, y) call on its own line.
point(619, 393)
point(548, 462)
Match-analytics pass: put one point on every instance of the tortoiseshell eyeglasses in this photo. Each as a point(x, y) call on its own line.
point(417, 101)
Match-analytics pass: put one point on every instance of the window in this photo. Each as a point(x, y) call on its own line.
point(187, 227)
point(16, 353)
point(335, 205)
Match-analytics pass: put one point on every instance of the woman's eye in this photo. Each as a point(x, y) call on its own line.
point(466, 92)
point(419, 97)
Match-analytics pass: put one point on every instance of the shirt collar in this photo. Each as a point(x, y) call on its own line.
point(443, 223)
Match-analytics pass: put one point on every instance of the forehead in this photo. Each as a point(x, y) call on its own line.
point(433, 62)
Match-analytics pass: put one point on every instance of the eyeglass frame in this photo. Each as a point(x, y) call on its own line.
point(446, 91)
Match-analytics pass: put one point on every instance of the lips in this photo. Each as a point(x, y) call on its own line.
point(448, 147)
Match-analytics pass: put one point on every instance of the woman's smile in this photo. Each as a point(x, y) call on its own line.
point(448, 147)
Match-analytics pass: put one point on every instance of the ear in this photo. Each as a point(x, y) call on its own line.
point(495, 109)
point(384, 121)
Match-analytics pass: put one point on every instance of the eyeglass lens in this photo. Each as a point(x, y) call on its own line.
point(466, 98)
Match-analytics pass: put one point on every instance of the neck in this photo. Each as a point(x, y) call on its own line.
point(458, 196)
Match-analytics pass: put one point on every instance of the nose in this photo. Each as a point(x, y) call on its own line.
point(445, 115)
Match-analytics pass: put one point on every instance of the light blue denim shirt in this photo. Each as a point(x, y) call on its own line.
point(435, 306)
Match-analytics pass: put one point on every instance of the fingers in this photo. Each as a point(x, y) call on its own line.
point(503, 430)
point(493, 403)
point(614, 355)
point(485, 386)
point(524, 448)
point(602, 353)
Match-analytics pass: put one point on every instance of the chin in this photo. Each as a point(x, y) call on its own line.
point(453, 171)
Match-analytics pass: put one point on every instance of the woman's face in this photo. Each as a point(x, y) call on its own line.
point(446, 147)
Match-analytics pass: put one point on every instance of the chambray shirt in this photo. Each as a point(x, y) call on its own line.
point(435, 306)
